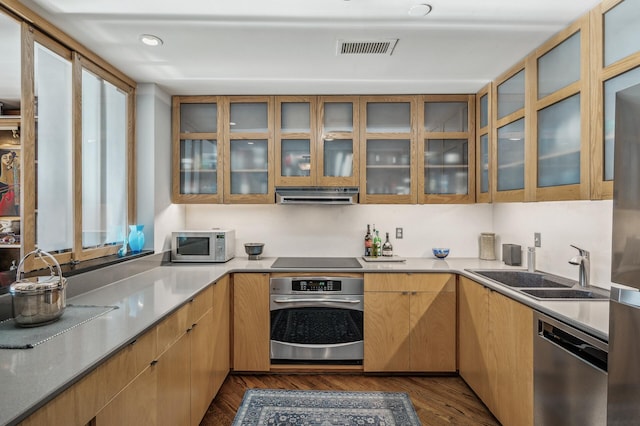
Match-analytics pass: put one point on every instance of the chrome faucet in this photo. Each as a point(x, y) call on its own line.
point(583, 262)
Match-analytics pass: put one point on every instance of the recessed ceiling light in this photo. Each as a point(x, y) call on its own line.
point(422, 9)
point(150, 40)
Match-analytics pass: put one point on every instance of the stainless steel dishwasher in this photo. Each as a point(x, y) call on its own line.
point(570, 375)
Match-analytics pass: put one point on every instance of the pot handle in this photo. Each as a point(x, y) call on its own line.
point(39, 253)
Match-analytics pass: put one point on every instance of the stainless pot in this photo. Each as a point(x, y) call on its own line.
point(37, 301)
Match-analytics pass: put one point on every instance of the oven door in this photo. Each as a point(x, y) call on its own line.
point(317, 328)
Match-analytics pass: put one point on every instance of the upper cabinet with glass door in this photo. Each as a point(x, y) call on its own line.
point(616, 61)
point(197, 149)
point(248, 150)
point(508, 153)
point(338, 147)
point(446, 151)
point(560, 116)
point(483, 145)
point(295, 141)
point(388, 148)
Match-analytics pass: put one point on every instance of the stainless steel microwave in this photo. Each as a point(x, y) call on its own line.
point(216, 245)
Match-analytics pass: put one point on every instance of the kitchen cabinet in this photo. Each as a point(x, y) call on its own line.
point(446, 149)
point(251, 321)
point(508, 126)
point(558, 100)
point(483, 145)
point(221, 340)
point(410, 322)
point(249, 149)
point(615, 65)
point(317, 141)
point(79, 404)
point(338, 148)
point(496, 351)
point(197, 149)
point(202, 355)
point(388, 149)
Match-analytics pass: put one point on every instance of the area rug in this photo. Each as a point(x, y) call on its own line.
point(325, 408)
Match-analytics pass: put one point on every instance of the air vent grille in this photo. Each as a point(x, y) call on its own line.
point(370, 47)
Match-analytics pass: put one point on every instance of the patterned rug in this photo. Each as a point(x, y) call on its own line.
point(325, 408)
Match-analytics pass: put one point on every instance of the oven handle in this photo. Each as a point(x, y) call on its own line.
point(316, 300)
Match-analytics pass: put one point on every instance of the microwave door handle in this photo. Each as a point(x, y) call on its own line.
point(317, 300)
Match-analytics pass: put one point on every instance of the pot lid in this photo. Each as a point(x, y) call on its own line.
point(36, 284)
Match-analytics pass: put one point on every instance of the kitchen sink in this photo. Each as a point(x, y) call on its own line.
point(561, 293)
point(541, 285)
point(525, 279)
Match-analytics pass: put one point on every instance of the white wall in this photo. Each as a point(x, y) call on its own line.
point(339, 230)
point(153, 162)
point(586, 224)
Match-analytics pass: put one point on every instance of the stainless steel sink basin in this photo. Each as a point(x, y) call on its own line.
point(541, 285)
point(561, 293)
point(525, 279)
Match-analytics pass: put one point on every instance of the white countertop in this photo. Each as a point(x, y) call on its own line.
point(30, 377)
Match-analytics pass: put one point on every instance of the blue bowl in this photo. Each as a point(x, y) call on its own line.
point(441, 253)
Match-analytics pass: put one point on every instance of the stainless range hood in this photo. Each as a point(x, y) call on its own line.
point(317, 195)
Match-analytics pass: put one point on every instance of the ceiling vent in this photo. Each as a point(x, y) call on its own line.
point(370, 47)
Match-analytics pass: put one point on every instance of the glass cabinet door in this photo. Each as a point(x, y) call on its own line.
point(295, 141)
point(197, 153)
point(483, 146)
point(249, 150)
point(388, 150)
point(446, 135)
point(507, 175)
point(337, 149)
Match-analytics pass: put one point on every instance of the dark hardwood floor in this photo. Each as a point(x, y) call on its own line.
point(437, 400)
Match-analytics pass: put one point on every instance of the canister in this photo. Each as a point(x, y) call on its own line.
point(488, 246)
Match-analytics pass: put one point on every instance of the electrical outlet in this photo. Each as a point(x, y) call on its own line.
point(537, 239)
point(399, 233)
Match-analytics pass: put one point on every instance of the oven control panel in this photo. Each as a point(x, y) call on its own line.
point(318, 285)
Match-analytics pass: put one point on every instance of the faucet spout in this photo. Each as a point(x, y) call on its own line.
point(584, 265)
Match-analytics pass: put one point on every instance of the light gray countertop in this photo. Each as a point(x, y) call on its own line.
point(30, 377)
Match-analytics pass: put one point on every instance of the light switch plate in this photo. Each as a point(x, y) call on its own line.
point(537, 239)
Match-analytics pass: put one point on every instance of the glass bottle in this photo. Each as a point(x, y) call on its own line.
point(377, 244)
point(387, 248)
point(368, 242)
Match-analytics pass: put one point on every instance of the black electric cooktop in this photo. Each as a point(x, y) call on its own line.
point(316, 262)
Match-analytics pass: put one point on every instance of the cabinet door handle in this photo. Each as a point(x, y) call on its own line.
point(154, 362)
point(405, 293)
point(414, 293)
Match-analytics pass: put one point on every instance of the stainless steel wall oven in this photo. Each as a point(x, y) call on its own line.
point(317, 320)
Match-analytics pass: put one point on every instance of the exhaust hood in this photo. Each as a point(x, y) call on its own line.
point(317, 195)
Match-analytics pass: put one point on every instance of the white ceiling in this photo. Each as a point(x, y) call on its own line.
point(289, 46)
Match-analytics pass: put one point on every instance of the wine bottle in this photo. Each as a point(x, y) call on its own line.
point(368, 242)
point(377, 244)
point(387, 248)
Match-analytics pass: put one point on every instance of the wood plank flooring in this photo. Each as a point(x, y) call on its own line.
point(437, 400)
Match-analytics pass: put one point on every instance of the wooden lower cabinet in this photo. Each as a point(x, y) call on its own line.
point(410, 322)
point(135, 405)
point(496, 351)
point(168, 376)
point(222, 334)
point(251, 322)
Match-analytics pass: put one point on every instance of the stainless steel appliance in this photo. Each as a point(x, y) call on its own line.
point(216, 245)
point(317, 195)
point(570, 375)
point(317, 319)
point(624, 314)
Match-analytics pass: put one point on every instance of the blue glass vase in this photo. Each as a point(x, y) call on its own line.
point(136, 238)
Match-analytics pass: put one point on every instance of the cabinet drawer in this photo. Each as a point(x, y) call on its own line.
point(201, 304)
point(410, 282)
point(173, 327)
